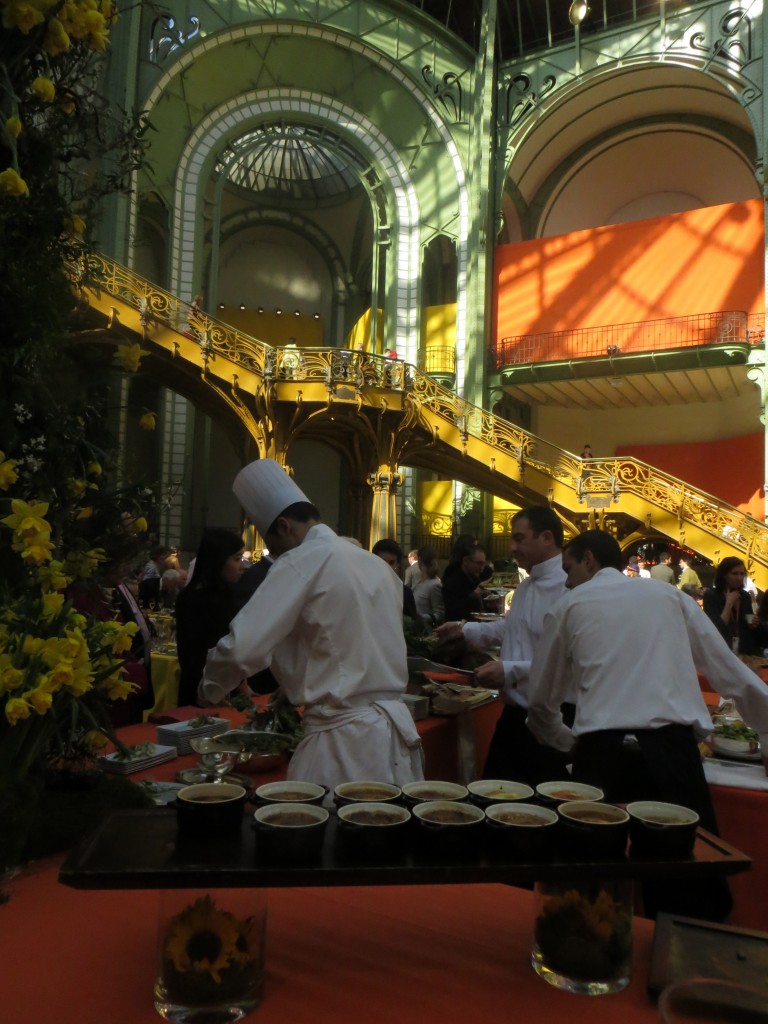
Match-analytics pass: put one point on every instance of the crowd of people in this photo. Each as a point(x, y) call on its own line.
point(597, 656)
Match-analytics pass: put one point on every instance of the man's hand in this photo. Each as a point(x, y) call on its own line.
point(448, 631)
point(490, 675)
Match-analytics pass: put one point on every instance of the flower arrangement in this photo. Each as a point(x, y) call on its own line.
point(210, 957)
point(584, 932)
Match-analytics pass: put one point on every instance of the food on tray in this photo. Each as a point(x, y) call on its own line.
point(502, 794)
point(136, 752)
point(564, 794)
point(367, 793)
point(595, 817)
point(520, 818)
point(448, 816)
point(292, 819)
point(368, 817)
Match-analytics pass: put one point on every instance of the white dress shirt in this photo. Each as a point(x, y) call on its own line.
point(328, 621)
point(520, 630)
point(633, 649)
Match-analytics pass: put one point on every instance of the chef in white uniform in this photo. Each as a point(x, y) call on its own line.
point(328, 621)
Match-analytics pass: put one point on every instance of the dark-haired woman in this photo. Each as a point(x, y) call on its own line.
point(206, 606)
point(729, 606)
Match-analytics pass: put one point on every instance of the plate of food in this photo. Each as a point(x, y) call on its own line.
point(735, 740)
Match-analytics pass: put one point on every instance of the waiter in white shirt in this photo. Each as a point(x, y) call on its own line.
point(328, 621)
point(632, 649)
point(537, 541)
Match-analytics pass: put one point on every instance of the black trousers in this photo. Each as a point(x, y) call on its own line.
point(515, 753)
point(657, 764)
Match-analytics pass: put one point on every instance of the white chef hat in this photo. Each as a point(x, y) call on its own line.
point(264, 489)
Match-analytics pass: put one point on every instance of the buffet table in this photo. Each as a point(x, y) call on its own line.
point(418, 955)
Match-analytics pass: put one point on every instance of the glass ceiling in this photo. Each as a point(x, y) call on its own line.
point(289, 161)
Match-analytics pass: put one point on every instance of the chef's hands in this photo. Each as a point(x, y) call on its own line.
point(490, 675)
point(449, 631)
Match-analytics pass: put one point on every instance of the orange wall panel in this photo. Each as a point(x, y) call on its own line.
point(684, 264)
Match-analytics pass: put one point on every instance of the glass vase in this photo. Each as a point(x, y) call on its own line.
point(582, 939)
point(210, 954)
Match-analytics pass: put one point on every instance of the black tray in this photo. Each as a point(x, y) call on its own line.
point(141, 850)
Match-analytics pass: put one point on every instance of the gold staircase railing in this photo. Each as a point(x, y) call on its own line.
point(448, 433)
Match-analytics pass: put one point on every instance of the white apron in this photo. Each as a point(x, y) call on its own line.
point(373, 741)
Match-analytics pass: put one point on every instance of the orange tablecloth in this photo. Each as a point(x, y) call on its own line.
point(415, 955)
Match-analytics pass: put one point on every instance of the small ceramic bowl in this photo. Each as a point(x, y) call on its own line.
point(373, 830)
point(421, 792)
point(208, 810)
point(485, 792)
point(290, 792)
point(551, 794)
point(449, 829)
point(593, 830)
point(290, 831)
point(365, 792)
point(520, 830)
point(659, 829)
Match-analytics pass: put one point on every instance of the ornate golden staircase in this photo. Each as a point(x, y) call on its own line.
point(384, 413)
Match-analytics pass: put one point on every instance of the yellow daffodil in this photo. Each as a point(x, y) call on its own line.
point(52, 605)
point(94, 469)
point(140, 525)
point(12, 184)
point(16, 709)
point(56, 39)
point(39, 699)
point(37, 552)
point(52, 577)
point(124, 639)
point(76, 487)
point(23, 16)
point(8, 473)
point(32, 645)
point(118, 687)
point(129, 357)
point(13, 127)
point(28, 516)
point(148, 421)
point(95, 740)
point(44, 89)
point(11, 677)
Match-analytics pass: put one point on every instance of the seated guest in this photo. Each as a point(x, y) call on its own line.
point(428, 591)
point(206, 606)
point(149, 584)
point(391, 553)
point(171, 583)
point(729, 606)
point(461, 592)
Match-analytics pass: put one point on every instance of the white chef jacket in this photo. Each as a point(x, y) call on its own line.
point(633, 650)
point(520, 630)
point(328, 621)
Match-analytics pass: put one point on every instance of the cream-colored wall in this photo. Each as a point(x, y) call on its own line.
point(607, 429)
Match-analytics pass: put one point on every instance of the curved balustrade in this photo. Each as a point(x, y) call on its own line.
point(431, 405)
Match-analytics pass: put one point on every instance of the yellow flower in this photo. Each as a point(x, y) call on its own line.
point(95, 740)
point(56, 39)
point(148, 421)
point(11, 677)
point(205, 940)
point(12, 184)
point(129, 356)
point(76, 486)
point(32, 645)
point(44, 89)
point(8, 473)
point(13, 127)
point(27, 516)
point(38, 552)
point(67, 105)
point(118, 687)
point(52, 577)
point(85, 513)
point(140, 525)
point(40, 699)
point(94, 469)
point(52, 605)
point(23, 16)
point(17, 708)
point(124, 638)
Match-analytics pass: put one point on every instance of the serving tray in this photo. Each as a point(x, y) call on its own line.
point(141, 850)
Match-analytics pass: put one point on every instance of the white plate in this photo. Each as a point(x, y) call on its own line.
point(158, 754)
point(731, 755)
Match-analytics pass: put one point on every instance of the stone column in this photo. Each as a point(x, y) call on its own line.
point(384, 514)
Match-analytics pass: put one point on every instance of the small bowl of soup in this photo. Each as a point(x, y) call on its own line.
point(521, 830)
point(593, 830)
point(422, 792)
point(373, 830)
point(449, 828)
point(550, 794)
point(365, 793)
point(210, 810)
point(658, 829)
point(485, 792)
point(290, 831)
point(290, 792)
